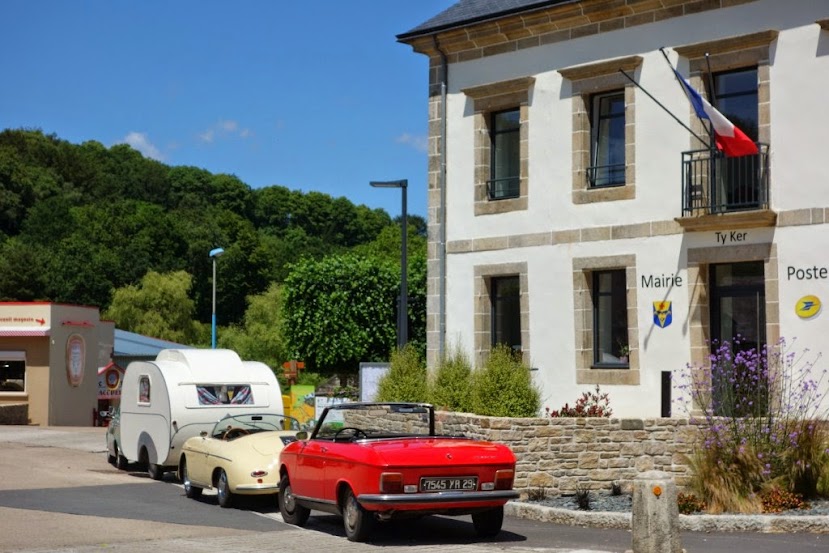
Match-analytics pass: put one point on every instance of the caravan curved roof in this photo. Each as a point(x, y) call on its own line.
point(209, 365)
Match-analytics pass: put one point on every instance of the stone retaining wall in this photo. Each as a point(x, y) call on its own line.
point(561, 455)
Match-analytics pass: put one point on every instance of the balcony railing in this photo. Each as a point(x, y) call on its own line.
point(713, 183)
point(502, 189)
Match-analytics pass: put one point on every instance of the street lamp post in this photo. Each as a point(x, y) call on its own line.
point(403, 309)
point(214, 253)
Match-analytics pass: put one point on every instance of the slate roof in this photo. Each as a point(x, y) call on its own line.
point(465, 12)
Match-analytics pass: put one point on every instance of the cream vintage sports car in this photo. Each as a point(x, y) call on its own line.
point(240, 456)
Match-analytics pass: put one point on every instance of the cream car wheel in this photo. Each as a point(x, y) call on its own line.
point(223, 490)
point(190, 490)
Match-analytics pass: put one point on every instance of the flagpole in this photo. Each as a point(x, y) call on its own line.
point(658, 103)
point(708, 129)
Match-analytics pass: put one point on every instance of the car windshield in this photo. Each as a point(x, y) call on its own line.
point(259, 422)
point(375, 420)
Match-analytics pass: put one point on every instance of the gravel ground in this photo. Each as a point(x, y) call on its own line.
point(624, 503)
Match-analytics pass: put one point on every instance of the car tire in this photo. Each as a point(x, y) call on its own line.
point(121, 462)
point(488, 523)
point(357, 521)
point(191, 491)
point(291, 511)
point(223, 492)
point(156, 472)
point(112, 457)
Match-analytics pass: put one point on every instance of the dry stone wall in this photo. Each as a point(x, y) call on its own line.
point(562, 455)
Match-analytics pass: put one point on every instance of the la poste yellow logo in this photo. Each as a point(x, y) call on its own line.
point(807, 307)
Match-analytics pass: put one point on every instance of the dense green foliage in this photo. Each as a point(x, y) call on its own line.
point(452, 384)
point(406, 379)
point(106, 227)
point(503, 387)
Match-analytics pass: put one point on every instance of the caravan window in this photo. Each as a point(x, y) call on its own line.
point(144, 389)
point(224, 394)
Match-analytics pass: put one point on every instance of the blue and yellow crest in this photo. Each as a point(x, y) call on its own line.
point(807, 307)
point(662, 314)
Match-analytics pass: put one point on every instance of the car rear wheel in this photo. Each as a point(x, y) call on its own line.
point(357, 521)
point(488, 523)
point(190, 490)
point(292, 512)
point(223, 491)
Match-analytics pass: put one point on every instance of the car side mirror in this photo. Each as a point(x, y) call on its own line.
point(302, 435)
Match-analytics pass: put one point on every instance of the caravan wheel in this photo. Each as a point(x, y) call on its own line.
point(156, 472)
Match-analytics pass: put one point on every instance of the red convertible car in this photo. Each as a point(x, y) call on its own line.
point(377, 461)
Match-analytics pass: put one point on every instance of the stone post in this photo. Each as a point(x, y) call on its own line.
point(655, 520)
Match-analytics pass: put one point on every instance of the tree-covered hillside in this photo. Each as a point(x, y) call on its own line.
point(78, 222)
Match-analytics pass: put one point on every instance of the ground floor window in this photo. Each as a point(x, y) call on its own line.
point(610, 318)
point(506, 312)
point(12, 371)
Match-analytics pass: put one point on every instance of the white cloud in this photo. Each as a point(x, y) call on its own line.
point(419, 143)
point(225, 128)
point(140, 142)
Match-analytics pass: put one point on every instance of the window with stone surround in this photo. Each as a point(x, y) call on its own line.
point(501, 169)
point(604, 137)
point(502, 309)
point(602, 340)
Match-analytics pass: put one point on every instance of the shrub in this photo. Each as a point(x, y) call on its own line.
point(765, 420)
point(776, 500)
point(503, 387)
point(583, 498)
point(406, 379)
point(590, 404)
point(689, 504)
point(452, 385)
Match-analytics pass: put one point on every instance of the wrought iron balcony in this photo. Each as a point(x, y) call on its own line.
point(713, 183)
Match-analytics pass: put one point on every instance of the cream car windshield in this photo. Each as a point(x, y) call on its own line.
point(253, 423)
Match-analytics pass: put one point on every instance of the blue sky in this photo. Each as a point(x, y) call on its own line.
point(307, 94)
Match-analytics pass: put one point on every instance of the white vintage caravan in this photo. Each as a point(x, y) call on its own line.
point(183, 392)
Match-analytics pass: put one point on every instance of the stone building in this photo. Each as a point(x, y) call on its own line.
point(579, 211)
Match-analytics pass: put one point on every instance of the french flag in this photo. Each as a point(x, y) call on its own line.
point(729, 138)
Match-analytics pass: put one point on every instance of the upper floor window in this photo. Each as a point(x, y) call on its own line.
point(607, 143)
point(505, 172)
point(506, 312)
point(735, 96)
point(610, 319)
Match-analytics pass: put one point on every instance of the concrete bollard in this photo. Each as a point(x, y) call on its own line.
point(655, 520)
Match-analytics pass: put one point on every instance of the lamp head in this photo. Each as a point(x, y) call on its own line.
point(402, 183)
point(216, 252)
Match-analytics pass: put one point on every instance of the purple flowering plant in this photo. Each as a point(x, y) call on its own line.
point(764, 418)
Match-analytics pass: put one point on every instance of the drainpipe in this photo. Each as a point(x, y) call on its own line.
point(444, 79)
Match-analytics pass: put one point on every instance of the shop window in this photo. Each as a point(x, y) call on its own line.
point(12, 371)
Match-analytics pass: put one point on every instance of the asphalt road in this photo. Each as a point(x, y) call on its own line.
point(58, 493)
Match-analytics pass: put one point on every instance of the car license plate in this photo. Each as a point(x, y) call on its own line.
point(462, 484)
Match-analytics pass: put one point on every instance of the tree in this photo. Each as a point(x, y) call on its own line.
point(340, 311)
point(158, 307)
point(260, 338)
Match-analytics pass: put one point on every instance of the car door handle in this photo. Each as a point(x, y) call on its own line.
point(324, 449)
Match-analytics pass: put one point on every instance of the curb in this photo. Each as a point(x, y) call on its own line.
point(764, 524)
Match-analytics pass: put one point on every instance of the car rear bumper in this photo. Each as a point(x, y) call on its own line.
point(466, 498)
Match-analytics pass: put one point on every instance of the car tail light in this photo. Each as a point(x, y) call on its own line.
point(259, 473)
point(504, 478)
point(391, 482)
